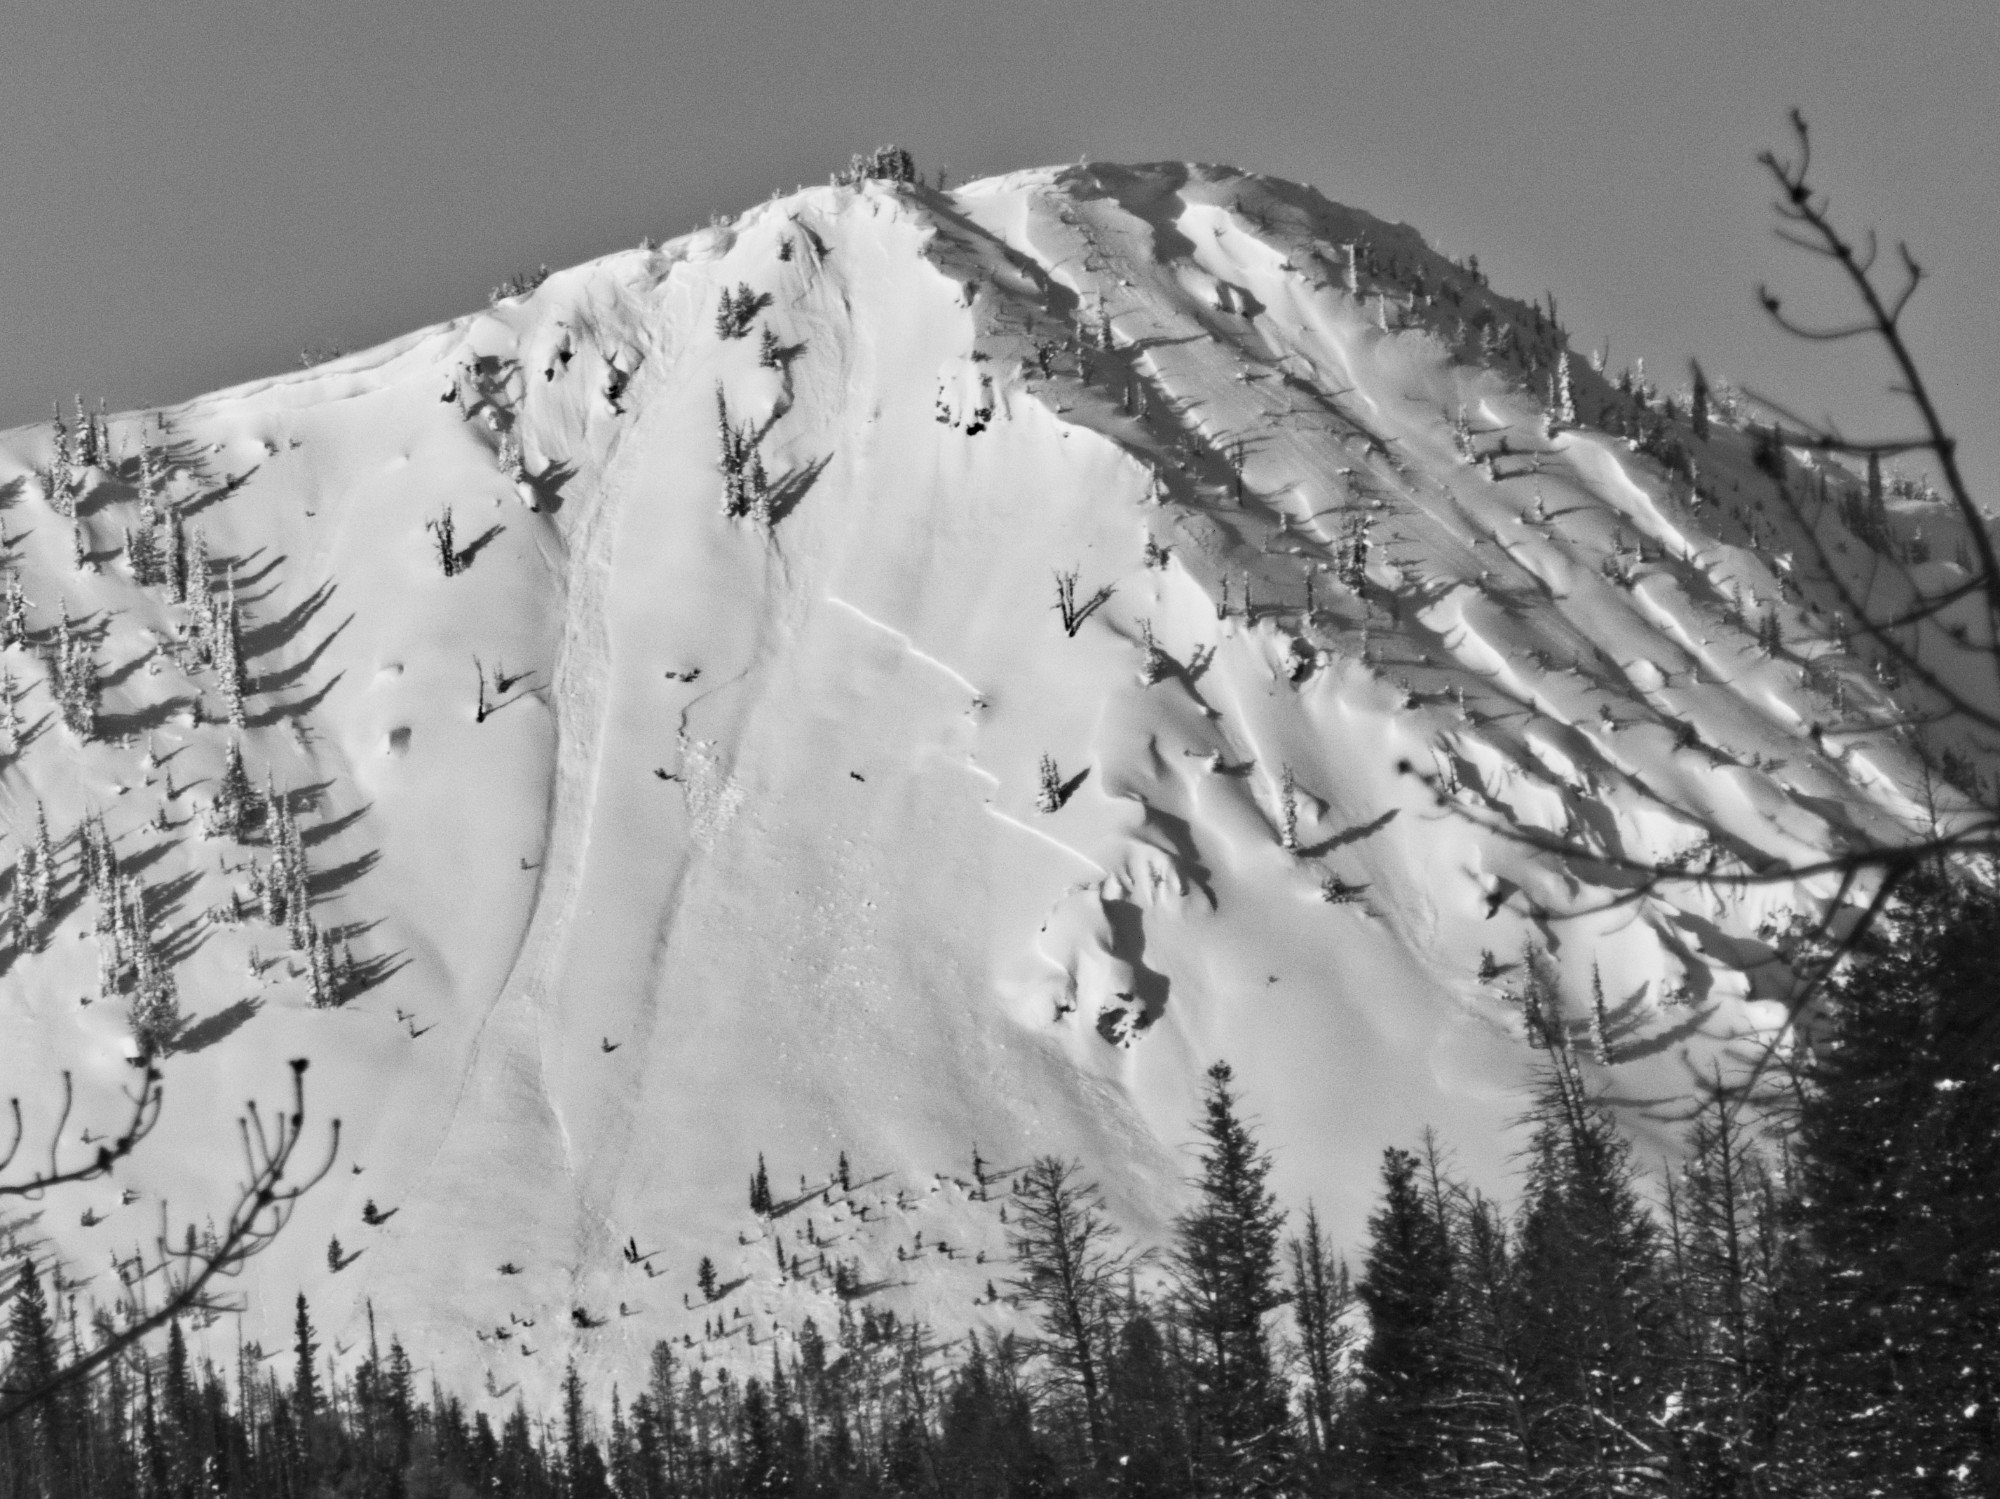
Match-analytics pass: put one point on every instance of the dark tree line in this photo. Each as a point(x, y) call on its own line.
point(1811, 1307)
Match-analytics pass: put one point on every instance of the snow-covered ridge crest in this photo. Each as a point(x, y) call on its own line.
point(914, 669)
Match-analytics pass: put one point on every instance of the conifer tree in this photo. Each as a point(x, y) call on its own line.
point(1490, 1417)
point(583, 1462)
point(1069, 1267)
point(13, 610)
point(41, 1461)
point(305, 1374)
point(1730, 1265)
point(1592, 1319)
point(1405, 1374)
point(1225, 1265)
point(1321, 1299)
point(1898, 1146)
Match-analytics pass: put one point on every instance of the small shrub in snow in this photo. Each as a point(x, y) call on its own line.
point(445, 542)
point(1600, 1042)
point(92, 438)
point(154, 1012)
point(1337, 892)
point(746, 486)
point(1153, 662)
point(13, 610)
point(1353, 564)
point(230, 814)
point(1074, 613)
point(883, 164)
point(1049, 794)
point(738, 310)
point(508, 454)
point(519, 284)
point(142, 555)
point(74, 666)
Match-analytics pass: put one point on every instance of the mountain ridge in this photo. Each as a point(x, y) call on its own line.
point(660, 835)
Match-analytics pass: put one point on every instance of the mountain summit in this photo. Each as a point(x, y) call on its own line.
point(909, 674)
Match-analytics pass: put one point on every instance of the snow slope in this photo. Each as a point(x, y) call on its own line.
point(745, 852)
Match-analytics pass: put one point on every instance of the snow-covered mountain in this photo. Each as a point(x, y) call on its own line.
point(654, 837)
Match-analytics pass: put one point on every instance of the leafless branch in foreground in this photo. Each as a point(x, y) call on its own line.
point(186, 1276)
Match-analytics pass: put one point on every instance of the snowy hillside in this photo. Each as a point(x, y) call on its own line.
point(654, 837)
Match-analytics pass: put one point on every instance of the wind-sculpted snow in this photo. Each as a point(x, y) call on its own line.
point(654, 837)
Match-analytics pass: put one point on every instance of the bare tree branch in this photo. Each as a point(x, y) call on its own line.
point(145, 1114)
point(264, 1205)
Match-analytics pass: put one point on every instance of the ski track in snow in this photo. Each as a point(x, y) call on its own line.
point(907, 644)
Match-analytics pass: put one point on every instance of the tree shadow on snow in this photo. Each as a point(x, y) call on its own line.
point(548, 485)
point(794, 486)
point(285, 676)
point(1350, 835)
point(223, 491)
point(227, 568)
point(118, 676)
point(299, 709)
point(1068, 788)
point(333, 826)
point(478, 544)
point(210, 1029)
point(368, 973)
point(280, 631)
point(142, 720)
point(324, 882)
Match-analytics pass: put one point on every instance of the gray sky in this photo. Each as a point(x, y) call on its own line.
point(190, 193)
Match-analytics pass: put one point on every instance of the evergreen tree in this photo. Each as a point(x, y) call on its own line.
point(1069, 1268)
point(584, 1472)
point(1321, 1299)
point(1730, 1265)
point(1225, 1264)
point(40, 1461)
point(1490, 1414)
point(1407, 1286)
point(305, 1375)
point(1145, 1399)
point(1592, 1324)
point(1899, 1203)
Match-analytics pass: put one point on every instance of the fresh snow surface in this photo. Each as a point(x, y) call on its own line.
point(747, 854)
